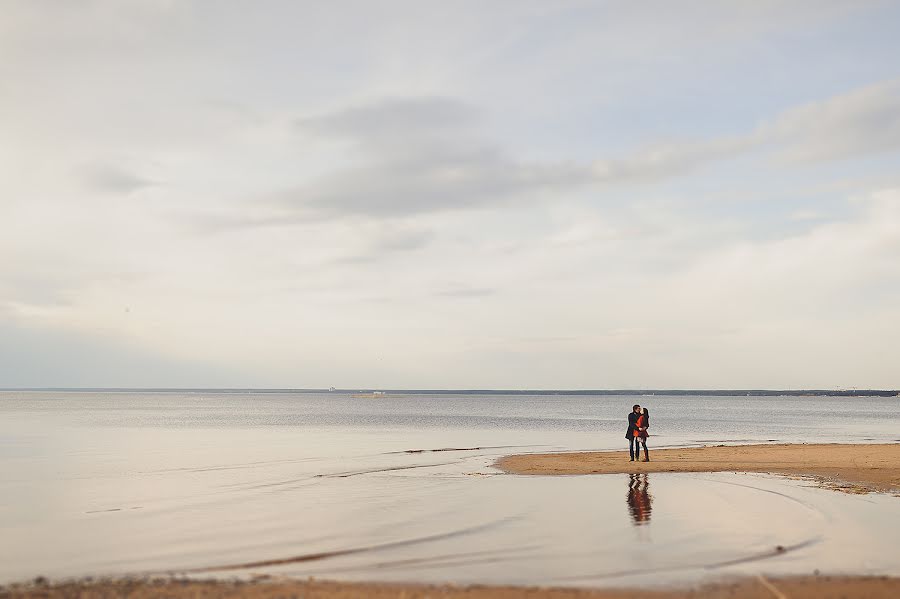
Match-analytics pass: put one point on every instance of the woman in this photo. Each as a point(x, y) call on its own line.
point(640, 433)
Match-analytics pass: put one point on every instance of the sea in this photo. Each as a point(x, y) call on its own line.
point(401, 487)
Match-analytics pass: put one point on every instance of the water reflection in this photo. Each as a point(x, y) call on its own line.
point(639, 499)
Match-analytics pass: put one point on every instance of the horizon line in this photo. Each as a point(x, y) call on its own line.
point(498, 391)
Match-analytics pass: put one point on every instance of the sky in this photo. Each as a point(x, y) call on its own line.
point(423, 194)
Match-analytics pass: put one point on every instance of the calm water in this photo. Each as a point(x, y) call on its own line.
point(401, 488)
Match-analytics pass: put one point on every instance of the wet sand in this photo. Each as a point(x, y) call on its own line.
point(848, 468)
point(824, 587)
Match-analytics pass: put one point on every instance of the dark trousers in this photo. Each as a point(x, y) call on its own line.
point(634, 447)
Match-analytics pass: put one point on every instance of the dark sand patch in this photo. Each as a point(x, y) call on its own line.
point(809, 587)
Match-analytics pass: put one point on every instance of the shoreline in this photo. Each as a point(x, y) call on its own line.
point(860, 469)
point(759, 587)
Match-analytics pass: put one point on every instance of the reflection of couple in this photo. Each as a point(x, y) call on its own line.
point(639, 498)
point(638, 423)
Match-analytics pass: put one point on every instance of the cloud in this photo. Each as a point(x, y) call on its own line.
point(662, 160)
point(413, 156)
point(395, 124)
point(862, 122)
point(467, 292)
point(114, 179)
point(859, 123)
point(817, 307)
point(376, 241)
point(395, 239)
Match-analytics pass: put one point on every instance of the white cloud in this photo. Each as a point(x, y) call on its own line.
point(114, 179)
point(859, 123)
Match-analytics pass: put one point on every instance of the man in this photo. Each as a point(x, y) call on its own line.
point(633, 441)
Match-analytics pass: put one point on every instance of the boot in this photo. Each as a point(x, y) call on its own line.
point(646, 454)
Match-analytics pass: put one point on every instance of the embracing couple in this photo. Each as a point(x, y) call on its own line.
point(638, 423)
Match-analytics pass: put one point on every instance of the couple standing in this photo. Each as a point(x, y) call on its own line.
point(638, 423)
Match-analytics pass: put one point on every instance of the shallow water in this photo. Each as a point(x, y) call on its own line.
point(337, 487)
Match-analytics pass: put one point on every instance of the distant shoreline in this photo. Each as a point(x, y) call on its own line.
point(582, 392)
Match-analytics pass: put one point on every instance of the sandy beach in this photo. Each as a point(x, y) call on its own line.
point(819, 587)
point(849, 468)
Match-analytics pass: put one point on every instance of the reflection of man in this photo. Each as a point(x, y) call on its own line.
point(633, 447)
point(639, 499)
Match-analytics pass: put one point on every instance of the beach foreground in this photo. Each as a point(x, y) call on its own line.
point(849, 468)
point(825, 587)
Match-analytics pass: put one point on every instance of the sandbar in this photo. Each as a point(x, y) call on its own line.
point(860, 468)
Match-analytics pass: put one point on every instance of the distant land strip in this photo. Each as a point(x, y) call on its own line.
point(598, 392)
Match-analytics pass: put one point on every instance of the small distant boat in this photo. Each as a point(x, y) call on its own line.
point(370, 395)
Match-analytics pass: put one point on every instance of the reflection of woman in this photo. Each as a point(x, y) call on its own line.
point(640, 433)
point(639, 499)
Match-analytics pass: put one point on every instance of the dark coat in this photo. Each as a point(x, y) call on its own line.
point(632, 419)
